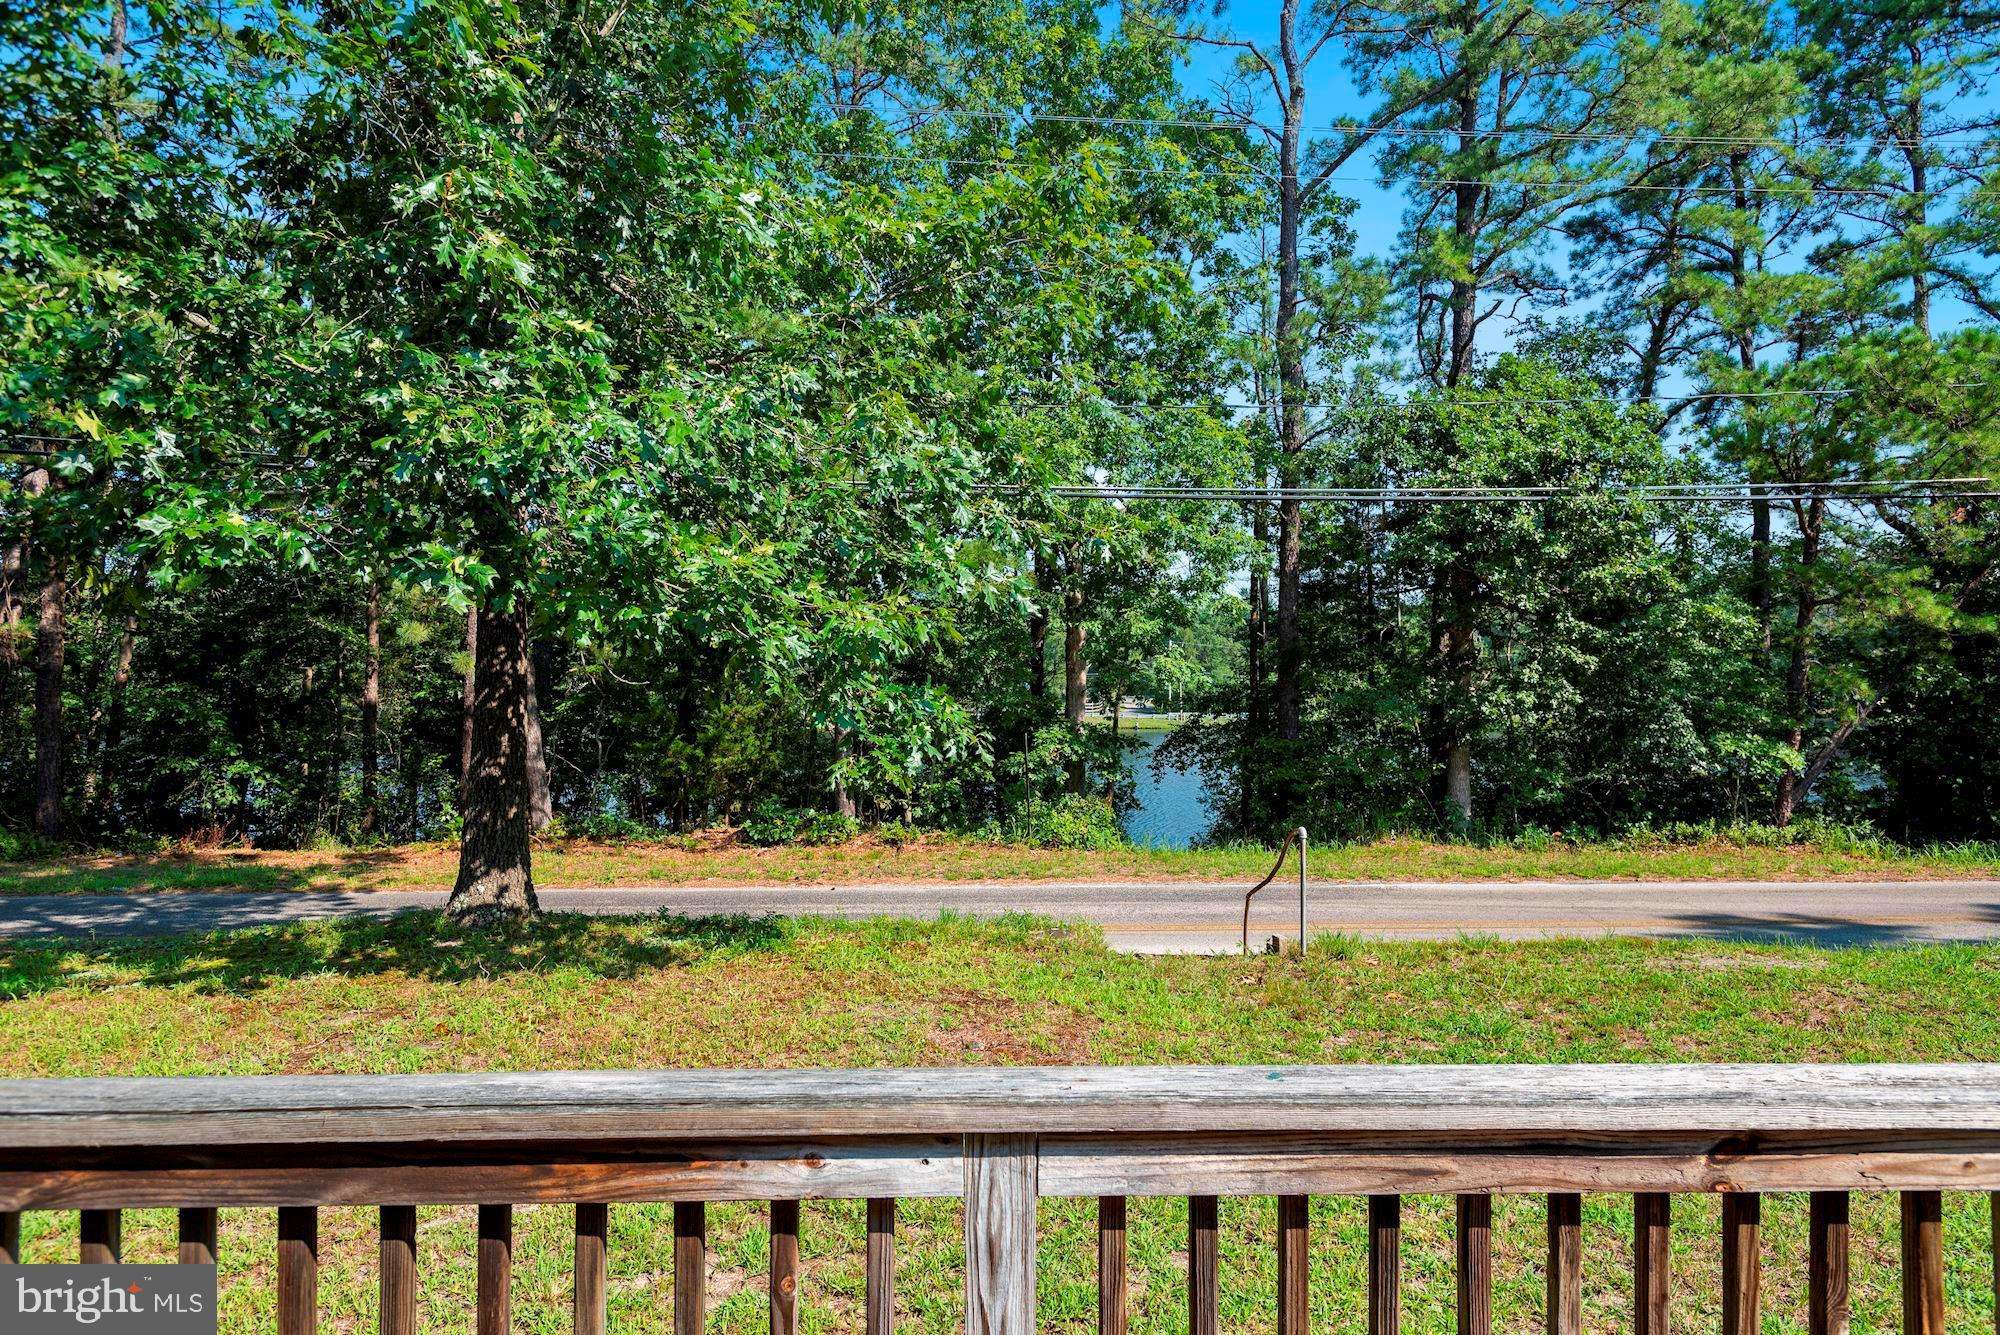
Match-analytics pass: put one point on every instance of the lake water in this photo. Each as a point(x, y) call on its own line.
point(1173, 808)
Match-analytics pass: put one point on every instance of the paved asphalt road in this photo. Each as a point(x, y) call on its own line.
point(1177, 917)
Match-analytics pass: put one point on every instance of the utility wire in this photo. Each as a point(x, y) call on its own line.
point(1410, 131)
point(1421, 183)
point(1426, 405)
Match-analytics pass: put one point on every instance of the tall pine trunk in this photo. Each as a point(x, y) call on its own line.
point(1798, 673)
point(371, 707)
point(1253, 668)
point(99, 785)
point(1289, 702)
point(48, 705)
point(495, 876)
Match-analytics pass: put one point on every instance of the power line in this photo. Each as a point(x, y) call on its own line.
point(1420, 183)
point(1341, 131)
point(1664, 494)
point(1427, 405)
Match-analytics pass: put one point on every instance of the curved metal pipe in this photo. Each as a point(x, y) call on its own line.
point(1298, 837)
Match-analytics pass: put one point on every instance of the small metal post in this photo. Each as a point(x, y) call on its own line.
point(1302, 891)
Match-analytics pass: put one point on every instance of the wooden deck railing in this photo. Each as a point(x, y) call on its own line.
point(1002, 1138)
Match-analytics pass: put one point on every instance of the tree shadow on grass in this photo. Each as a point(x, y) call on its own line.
point(140, 872)
point(419, 944)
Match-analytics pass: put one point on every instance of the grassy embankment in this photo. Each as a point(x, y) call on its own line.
point(401, 996)
point(719, 858)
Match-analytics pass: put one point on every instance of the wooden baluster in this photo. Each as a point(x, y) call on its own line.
point(1385, 1265)
point(1565, 1278)
point(10, 1237)
point(1002, 1182)
point(784, 1268)
point(197, 1237)
point(298, 1270)
point(493, 1313)
point(879, 1316)
point(589, 1267)
point(1923, 1263)
point(1294, 1288)
point(1652, 1259)
point(1111, 1282)
point(1826, 1302)
point(99, 1237)
point(396, 1277)
point(1203, 1264)
point(1742, 1261)
point(1993, 1209)
point(690, 1267)
point(1475, 1265)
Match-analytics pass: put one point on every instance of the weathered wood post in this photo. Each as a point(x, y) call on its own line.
point(1001, 1185)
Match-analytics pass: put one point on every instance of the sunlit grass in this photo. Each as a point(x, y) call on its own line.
point(718, 858)
point(410, 995)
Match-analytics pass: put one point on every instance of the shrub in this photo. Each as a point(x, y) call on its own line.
point(825, 827)
point(771, 823)
point(1077, 821)
point(23, 845)
point(604, 827)
point(898, 833)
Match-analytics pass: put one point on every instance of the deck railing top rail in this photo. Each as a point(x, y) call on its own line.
point(1607, 1100)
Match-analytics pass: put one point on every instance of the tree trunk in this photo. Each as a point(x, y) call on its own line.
point(541, 804)
point(1458, 645)
point(371, 707)
point(1459, 648)
point(1798, 675)
point(1760, 569)
point(114, 727)
point(843, 798)
point(495, 876)
point(1253, 713)
point(48, 704)
point(1075, 677)
point(1038, 639)
point(1291, 357)
point(465, 717)
point(13, 575)
point(1916, 209)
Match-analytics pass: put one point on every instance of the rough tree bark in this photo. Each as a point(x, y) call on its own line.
point(495, 877)
point(48, 704)
point(1076, 676)
point(1256, 633)
point(371, 706)
point(1746, 361)
point(541, 802)
point(1458, 642)
point(97, 788)
point(48, 672)
point(1798, 674)
point(1038, 638)
point(465, 715)
point(1289, 649)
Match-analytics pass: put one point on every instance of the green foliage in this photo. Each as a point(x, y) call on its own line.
point(771, 824)
point(1076, 821)
point(756, 403)
point(822, 828)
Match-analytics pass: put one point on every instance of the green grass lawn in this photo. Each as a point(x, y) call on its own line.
point(719, 858)
point(407, 995)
